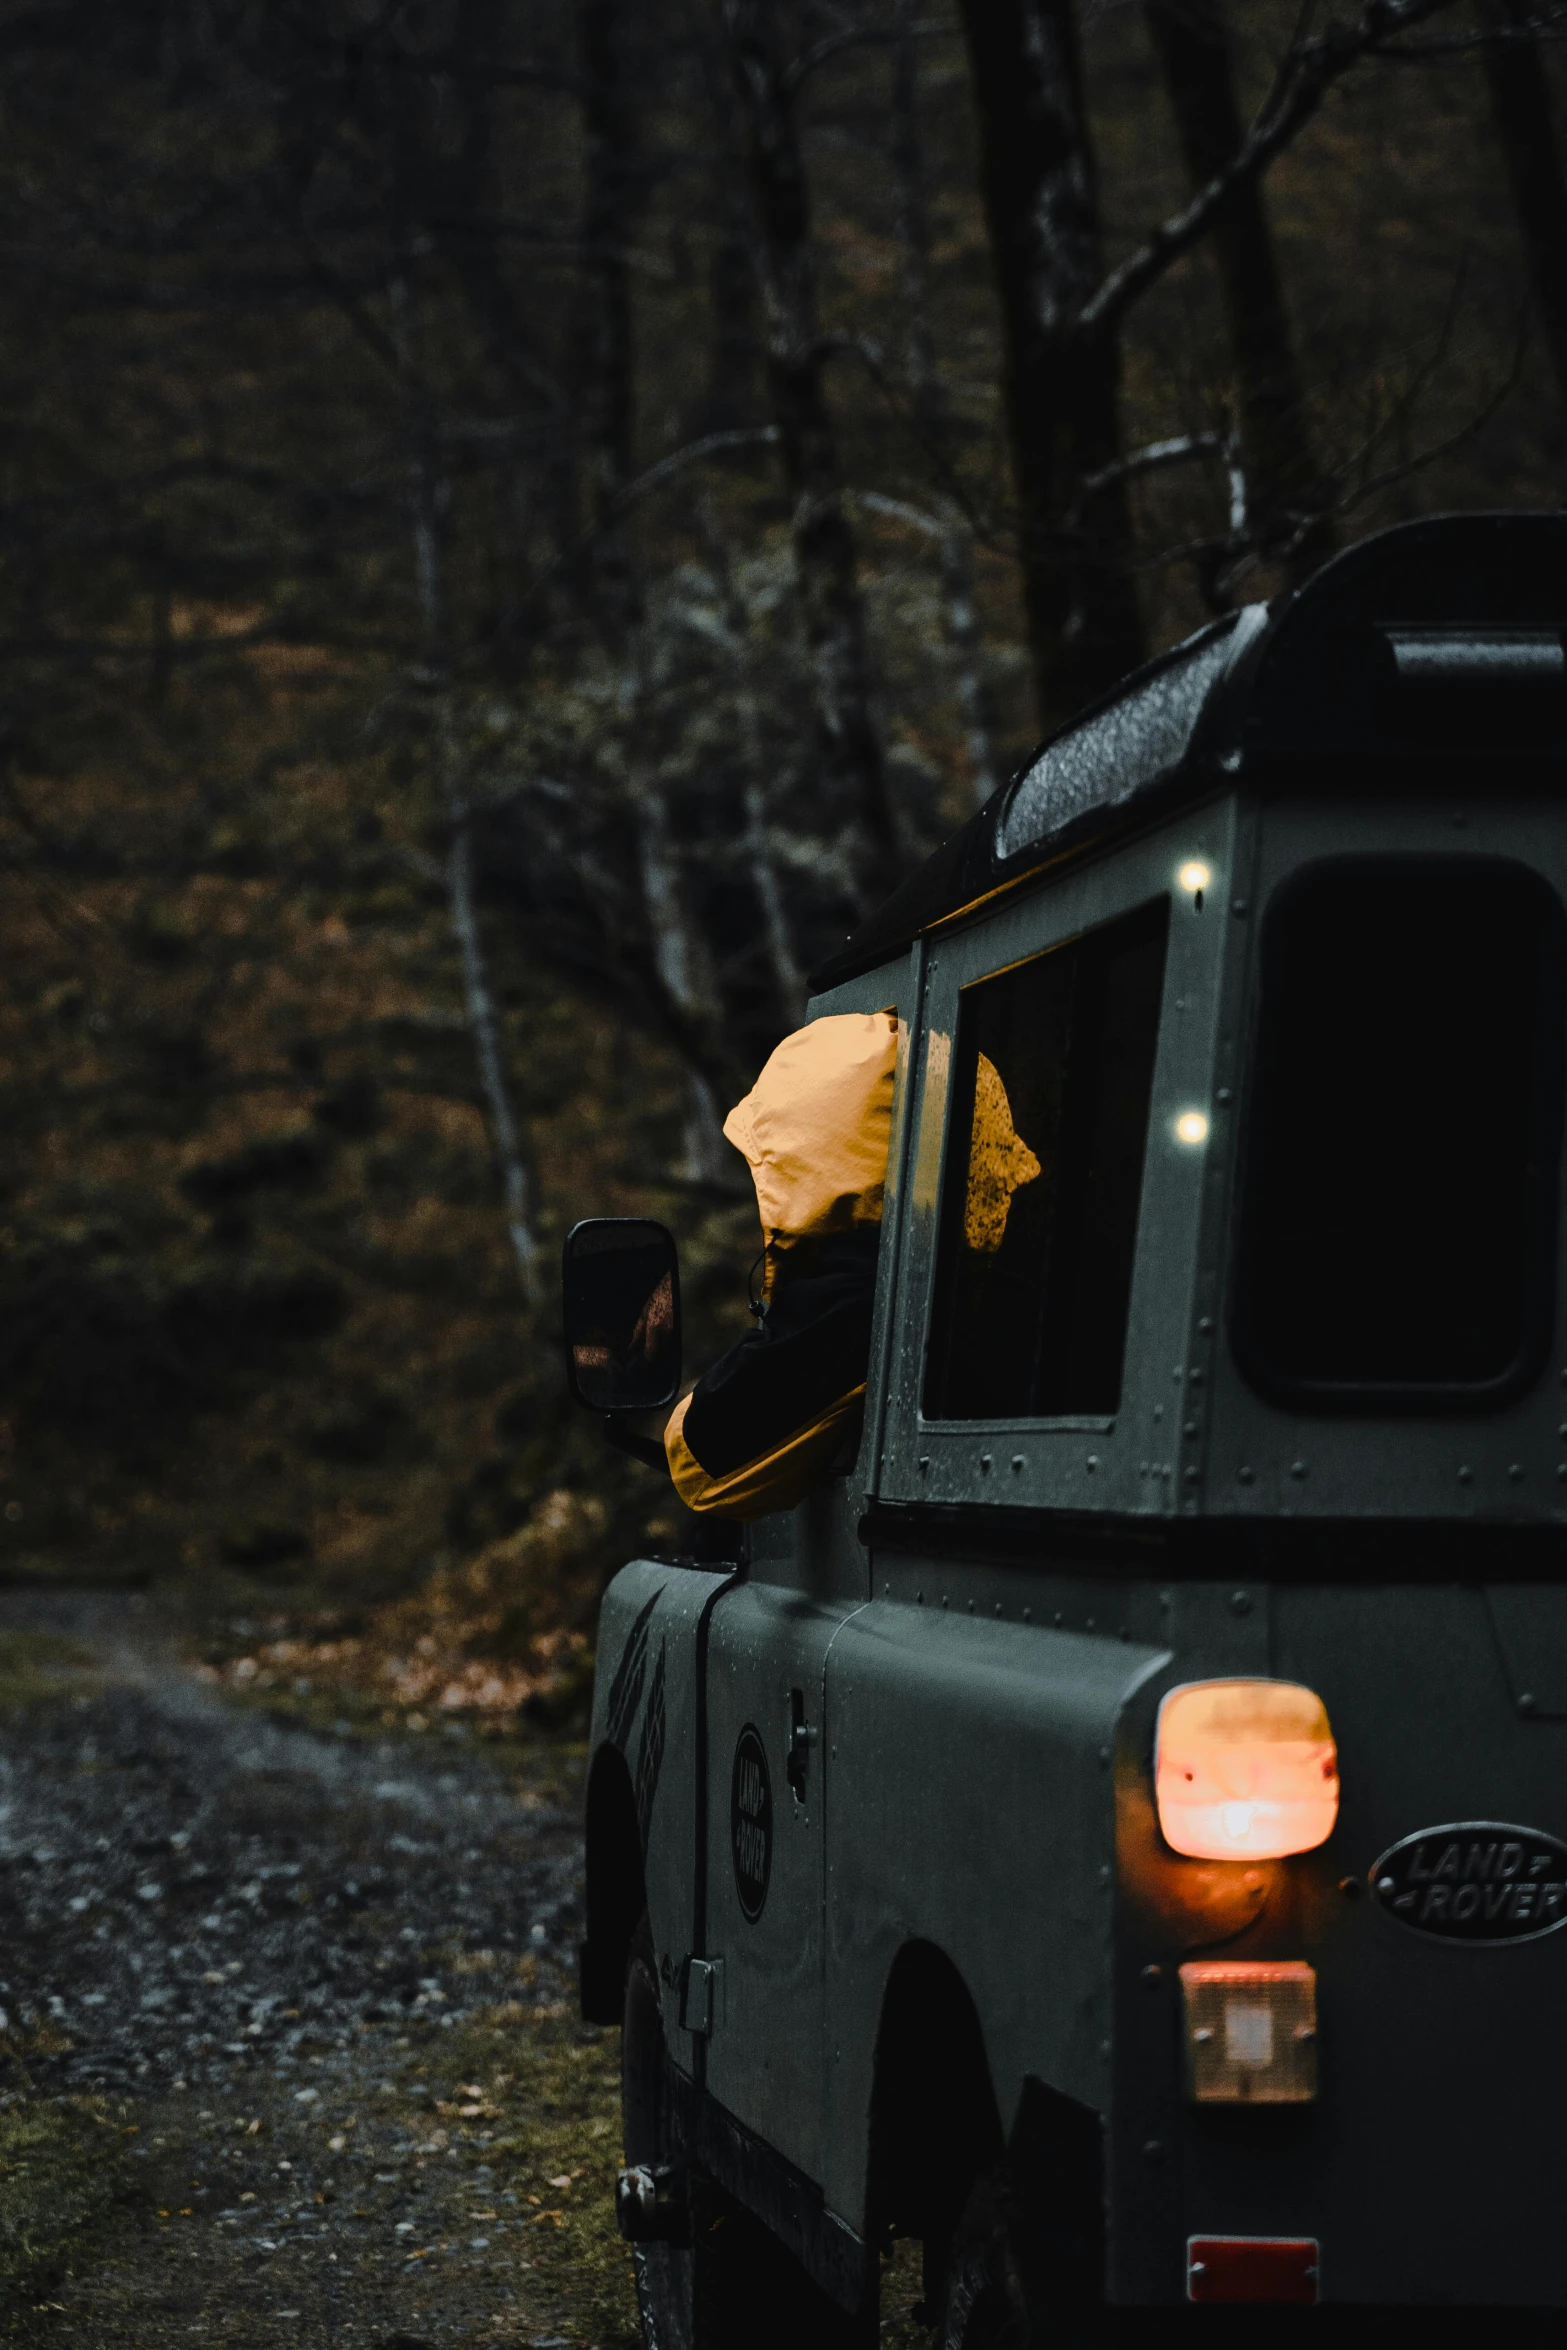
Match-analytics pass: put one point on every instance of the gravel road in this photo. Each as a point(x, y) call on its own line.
point(330, 1984)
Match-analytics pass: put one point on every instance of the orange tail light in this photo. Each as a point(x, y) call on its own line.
point(1245, 1770)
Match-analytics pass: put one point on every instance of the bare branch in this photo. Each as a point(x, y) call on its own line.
point(1150, 459)
point(1310, 67)
point(1454, 440)
point(861, 37)
point(712, 444)
point(1552, 26)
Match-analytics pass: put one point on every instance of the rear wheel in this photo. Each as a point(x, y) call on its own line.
point(733, 2286)
point(987, 2304)
point(1025, 2261)
point(665, 2273)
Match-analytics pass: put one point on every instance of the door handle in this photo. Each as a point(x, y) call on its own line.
point(802, 1737)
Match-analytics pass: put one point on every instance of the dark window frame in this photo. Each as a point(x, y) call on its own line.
point(1410, 1398)
point(1153, 912)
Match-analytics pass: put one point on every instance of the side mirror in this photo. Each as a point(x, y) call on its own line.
point(621, 1281)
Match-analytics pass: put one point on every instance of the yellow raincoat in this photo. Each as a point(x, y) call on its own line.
point(761, 1426)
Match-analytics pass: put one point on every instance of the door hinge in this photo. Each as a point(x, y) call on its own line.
point(702, 1996)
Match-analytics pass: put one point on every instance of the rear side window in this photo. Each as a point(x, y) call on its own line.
point(1397, 1237)
point(1047, 1132)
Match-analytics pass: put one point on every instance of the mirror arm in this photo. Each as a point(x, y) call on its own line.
point(641, 1448)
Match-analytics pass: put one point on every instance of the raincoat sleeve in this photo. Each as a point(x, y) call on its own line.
point(766, 1421)
point(776, 1480)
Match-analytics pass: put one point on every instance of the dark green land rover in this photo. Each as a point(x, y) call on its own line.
point(1114, 1829)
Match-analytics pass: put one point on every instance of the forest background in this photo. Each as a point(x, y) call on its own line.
point(518, 523)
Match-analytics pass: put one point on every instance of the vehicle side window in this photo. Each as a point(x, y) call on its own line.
point(1399, 1209)
point(1047, 1130)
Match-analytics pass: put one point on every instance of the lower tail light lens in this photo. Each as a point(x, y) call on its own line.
point(1245, 1770)
point(1252, 2268)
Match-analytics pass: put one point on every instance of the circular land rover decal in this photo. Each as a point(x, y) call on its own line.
point(751, 1822)
point(1475, 1881)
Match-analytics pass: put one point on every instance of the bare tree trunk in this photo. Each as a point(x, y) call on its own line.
point(464, 204)
point(606, 358)
point(731, 378)
point(853, 770)
point(1287, 498)
point(1062, 378)
point(912, 223)
point(968, 656)
point(955, 544)
point(505, 1138)
point(761, 864)
point(1521, 104)
point(956, 541)
point(680, 954)
point(425, 505)
point(710, 1161)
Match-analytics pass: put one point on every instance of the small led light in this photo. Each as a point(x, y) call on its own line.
point(1195, 875)
point(1191, 1127)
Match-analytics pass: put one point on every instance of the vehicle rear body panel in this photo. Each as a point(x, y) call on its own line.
point(1430, 2167)
point(970, 1806)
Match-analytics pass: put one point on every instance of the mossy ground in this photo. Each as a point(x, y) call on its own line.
point(36, 1667)
point(433, 2181)
point(62, 2183)
point(555, 2085)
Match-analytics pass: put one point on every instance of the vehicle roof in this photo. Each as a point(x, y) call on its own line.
point(1416, 652)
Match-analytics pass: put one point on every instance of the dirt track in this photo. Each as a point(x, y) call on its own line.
point(317, 1996)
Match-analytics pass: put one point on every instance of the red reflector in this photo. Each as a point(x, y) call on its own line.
point(1251, 2268)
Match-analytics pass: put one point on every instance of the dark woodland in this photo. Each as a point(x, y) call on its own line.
point(519, 524)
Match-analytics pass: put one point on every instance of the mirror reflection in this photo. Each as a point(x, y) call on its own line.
point(622, 1312)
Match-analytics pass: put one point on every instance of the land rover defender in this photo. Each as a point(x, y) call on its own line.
point(1115, 1831)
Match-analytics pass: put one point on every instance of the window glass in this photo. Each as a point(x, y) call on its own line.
point(1397, 1237)
point(1048, 1124)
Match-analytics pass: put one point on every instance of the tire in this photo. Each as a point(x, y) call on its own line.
point(665, 2273)
point(734, 2287)
point(987, 2301)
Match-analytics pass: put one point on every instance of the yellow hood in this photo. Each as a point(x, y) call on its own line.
point(815, 1126)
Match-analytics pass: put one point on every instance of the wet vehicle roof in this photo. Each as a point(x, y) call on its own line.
point(1420, 651)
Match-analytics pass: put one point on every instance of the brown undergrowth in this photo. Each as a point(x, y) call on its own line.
point(504, 1639)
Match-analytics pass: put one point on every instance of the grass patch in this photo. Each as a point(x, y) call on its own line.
point(37, 1667)
point(552, 2098)
point(550, 2093)
point(62, 2169)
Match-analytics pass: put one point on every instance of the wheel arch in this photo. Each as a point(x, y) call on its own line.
point(934, 2120)
point(616, 1886)
point(936, 2130)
